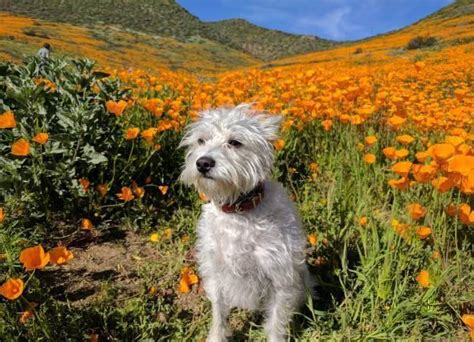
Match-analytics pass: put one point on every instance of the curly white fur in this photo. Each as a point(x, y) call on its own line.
point(254, 259)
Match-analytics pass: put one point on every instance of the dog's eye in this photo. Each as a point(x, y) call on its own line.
point(235, 143)
point(201, 141)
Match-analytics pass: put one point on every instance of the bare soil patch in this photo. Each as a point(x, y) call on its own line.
point(111, 259)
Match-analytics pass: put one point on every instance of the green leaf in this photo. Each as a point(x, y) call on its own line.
point(93, 156)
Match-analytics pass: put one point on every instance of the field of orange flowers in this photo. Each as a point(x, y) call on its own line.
point(377, 150)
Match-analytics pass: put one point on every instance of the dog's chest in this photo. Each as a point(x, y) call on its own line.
point(236, 244)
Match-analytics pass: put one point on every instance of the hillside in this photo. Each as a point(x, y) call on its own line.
point(451, 26)
point(267, 44)
point(115, 47)
point(168, 19)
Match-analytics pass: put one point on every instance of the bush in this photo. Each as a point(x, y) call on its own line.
point(86, 149)
point(421, 42)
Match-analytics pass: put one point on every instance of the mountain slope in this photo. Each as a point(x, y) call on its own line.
point(267, 44)
point(115, 47)
point(452, 25)
point(167, 18)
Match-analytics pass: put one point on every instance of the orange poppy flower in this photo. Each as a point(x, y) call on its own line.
point(116, 108)
point(102, 189)
point(12, 288)
point(132, 133)
point(41, 138)
point(463, 149)
point(85, 183)
point(454, 140)
point(468, 320)
point(28, 313)
point(402, 183)
point(423, 278)
point(424, 173)
point(405, 139)
point(389, 152)
point(279, 144)
point(452, 209)
point(423, 232)
point(86, 224)
point(21, 148)
point(443, 184)
point(461, 164)
point(327, 125)
point(149, 133)
point(396, 121)
point(370, 140)
point(401, 229)
point(442, 152)
point(467, 183)
point(163, 189)
point(34, 258)
point(60, 255)
point(312, 239)
point(187, 278)
point(402, 168)
point(137, 190)
point(401, 153)
point(7, 120)
point(466, 214)
point(422, 156)
point(416, 211)
point(126, 194)
point(2, 215)
point(370, 158)
point(363, 220)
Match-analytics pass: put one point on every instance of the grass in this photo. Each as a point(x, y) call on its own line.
point(367, 273)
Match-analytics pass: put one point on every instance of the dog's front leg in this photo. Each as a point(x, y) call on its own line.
point(279, 311)
point(220, 311)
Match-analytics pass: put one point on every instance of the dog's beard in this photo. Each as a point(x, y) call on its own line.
point(224, 185)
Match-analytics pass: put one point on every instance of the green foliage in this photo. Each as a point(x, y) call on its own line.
point(67, 101)
point(267, 44)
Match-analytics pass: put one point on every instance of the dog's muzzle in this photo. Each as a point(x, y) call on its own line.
point(204, 164)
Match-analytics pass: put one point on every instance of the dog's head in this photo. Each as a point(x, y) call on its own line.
point(229, 151)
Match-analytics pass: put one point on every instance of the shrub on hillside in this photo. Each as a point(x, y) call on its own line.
point(420, 42)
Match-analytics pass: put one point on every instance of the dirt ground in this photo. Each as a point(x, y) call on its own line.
point(111, 258)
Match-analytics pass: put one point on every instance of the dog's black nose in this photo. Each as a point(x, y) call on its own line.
point(204, 164)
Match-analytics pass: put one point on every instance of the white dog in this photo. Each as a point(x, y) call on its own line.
point(250, 242)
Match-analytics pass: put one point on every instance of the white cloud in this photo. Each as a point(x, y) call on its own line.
point(335, 24)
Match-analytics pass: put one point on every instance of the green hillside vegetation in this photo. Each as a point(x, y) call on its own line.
point(267, 44)
point(457, 9)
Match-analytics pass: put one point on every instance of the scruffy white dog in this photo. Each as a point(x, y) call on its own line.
point(250, 242)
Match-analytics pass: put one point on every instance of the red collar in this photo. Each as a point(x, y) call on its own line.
point(245, 202)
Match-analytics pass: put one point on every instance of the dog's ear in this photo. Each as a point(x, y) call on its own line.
point(270, 125)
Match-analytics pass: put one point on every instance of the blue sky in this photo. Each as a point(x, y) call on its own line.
point(332, 19)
